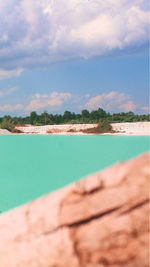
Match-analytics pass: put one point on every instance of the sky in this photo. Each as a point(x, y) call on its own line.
point(74, 55)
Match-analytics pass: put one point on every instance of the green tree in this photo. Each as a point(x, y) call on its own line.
point(45, 118)
point(33, 117)
point(102, 113)
point(85, 114)
point(67, 116)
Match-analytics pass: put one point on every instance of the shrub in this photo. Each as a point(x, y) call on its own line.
point(8, 125)
point(102, 127)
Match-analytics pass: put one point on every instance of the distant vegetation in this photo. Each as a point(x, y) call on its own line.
point(99, 116)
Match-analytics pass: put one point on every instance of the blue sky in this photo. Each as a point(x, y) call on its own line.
point(73, 55)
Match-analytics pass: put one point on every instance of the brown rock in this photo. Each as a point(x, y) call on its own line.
point(99, 221)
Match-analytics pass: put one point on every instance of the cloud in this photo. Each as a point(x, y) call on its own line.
point(5, 74)
point(52, 101)
point(40, 32)
point(129, 106)
point(8, 91)
point(112, 102)
point(8, 107)
point(146, 108)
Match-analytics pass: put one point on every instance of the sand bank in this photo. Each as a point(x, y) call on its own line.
point(126, 128)
point(56, 129)
point(131, 128)
point(4, 132)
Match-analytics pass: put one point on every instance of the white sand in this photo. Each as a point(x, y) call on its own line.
point(56, 129)
point(127, 128)
point(132, 128)
point(4, 132)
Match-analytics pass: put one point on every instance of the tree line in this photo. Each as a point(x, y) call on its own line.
point(95, 116)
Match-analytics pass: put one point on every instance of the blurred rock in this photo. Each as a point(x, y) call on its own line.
point(99, 221)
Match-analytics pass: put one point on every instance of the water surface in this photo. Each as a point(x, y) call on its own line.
point(33, 165)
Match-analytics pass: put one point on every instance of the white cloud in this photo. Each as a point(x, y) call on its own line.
point(9, 108)
point(112, 102)
point(52, 101)
point(146, 108)
point(8, 91)
point(5, 74)
point(44, 31)
point(129, 106)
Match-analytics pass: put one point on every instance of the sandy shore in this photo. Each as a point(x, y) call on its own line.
point(56, 129)
point(126, 128)
point(131, 128)
point(4, 132)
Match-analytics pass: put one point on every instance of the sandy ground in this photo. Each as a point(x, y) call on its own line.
point(56, 129)
point(131, 128)
point(127, 128)
point(4, 132)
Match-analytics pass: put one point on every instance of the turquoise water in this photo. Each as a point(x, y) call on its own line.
point(33, 165)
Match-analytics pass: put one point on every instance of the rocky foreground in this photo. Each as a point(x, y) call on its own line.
point(99, 221)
